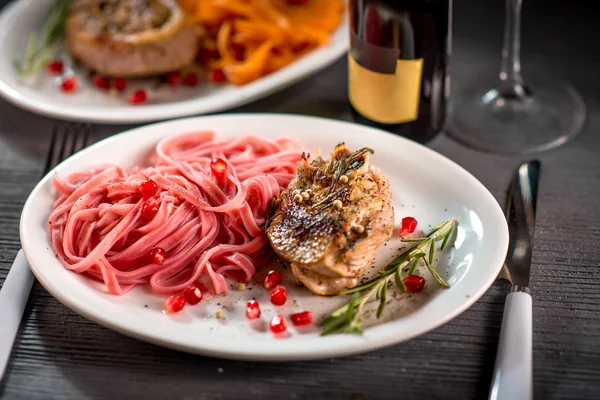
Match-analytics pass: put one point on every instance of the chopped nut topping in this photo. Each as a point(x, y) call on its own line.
point(358, 228)
point(338, 204)
point(343, 179)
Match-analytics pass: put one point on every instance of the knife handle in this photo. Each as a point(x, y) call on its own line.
point(13, 299)
point(513, 372)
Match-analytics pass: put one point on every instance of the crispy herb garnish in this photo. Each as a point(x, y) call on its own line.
point(348, 318)
point(40, 48)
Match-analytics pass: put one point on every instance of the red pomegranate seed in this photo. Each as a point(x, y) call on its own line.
point(297, 2)
point(69, 84)
point(252, 309)
point(218, 167)
point(120, 84)
point(158, 255)
point(149, 209)
point(174, 304)
point(409, 224)
point(138, 97)
point(190, 79)
point(173, 78)
point(414, 283)
point(148, 188)
point(101, 82)
point(277, 324)
point(217, 76)
point(278, 295)
point(192, 295)
point(272, 279)
point(302, 318)
point(55, 67)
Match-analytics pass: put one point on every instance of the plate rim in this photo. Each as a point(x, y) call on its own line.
point(261, 88)
point(322, 352)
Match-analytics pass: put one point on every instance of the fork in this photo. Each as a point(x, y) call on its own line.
point(66, 140)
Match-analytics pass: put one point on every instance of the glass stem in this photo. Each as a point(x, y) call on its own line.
point(511, 81)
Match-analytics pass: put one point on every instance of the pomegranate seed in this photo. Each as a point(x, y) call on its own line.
point(218, 167)
point(414, 283)
point(148, 188)
point(191, 79)
point(278, 295)
point(302, 318)
point(297, 2)
point(69, 84)
point(409, 224)
point(101, 82)
point(138, 97)
point(217, 76)
point(192, 294)
point(277, 324)
point(120, 84)
point(158, 255)
point(272, 279)
point(55, 67)
point(173, 78)
point(149, 209)
point(174, 304)
point(252, 309)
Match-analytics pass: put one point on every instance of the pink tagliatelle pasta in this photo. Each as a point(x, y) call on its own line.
point(201, 204)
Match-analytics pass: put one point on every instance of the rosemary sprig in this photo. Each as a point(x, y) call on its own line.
point(40, 47)
point(348, 317)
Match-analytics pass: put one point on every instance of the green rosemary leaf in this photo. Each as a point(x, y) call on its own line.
point(413, 266)
point(436, 228)
point(366, 285)
point(40, 48)
point(435, 274)
point(399, 281)
point(383, 300)
point(417, 255)
point(431, 251)
point(447, 238)
point(334, 325)
point(379, 292)
point(408, 240)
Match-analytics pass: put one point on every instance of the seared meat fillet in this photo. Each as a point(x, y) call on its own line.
point(130, 38)
point(332, 218)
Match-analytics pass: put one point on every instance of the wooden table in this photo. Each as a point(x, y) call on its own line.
point(60, 355)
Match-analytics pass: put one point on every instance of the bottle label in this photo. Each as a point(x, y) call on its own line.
point(388, 98)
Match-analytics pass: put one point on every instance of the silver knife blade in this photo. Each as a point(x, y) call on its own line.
point(520, 214)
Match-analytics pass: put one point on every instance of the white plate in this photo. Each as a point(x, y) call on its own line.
point(89, 104)
point(425, 185)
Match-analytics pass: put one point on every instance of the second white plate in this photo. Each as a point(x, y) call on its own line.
point(89, 104)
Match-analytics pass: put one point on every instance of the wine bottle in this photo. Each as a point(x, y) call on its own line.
point(398, 76)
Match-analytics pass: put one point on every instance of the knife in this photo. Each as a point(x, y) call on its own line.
point(513, 372)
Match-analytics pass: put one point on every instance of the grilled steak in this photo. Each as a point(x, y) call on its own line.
point(332, 218)
point(130, 38)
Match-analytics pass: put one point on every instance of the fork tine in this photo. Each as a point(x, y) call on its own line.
point(67, 139)
point(51, 151)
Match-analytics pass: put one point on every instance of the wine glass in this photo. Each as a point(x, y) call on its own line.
point(515, 117)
